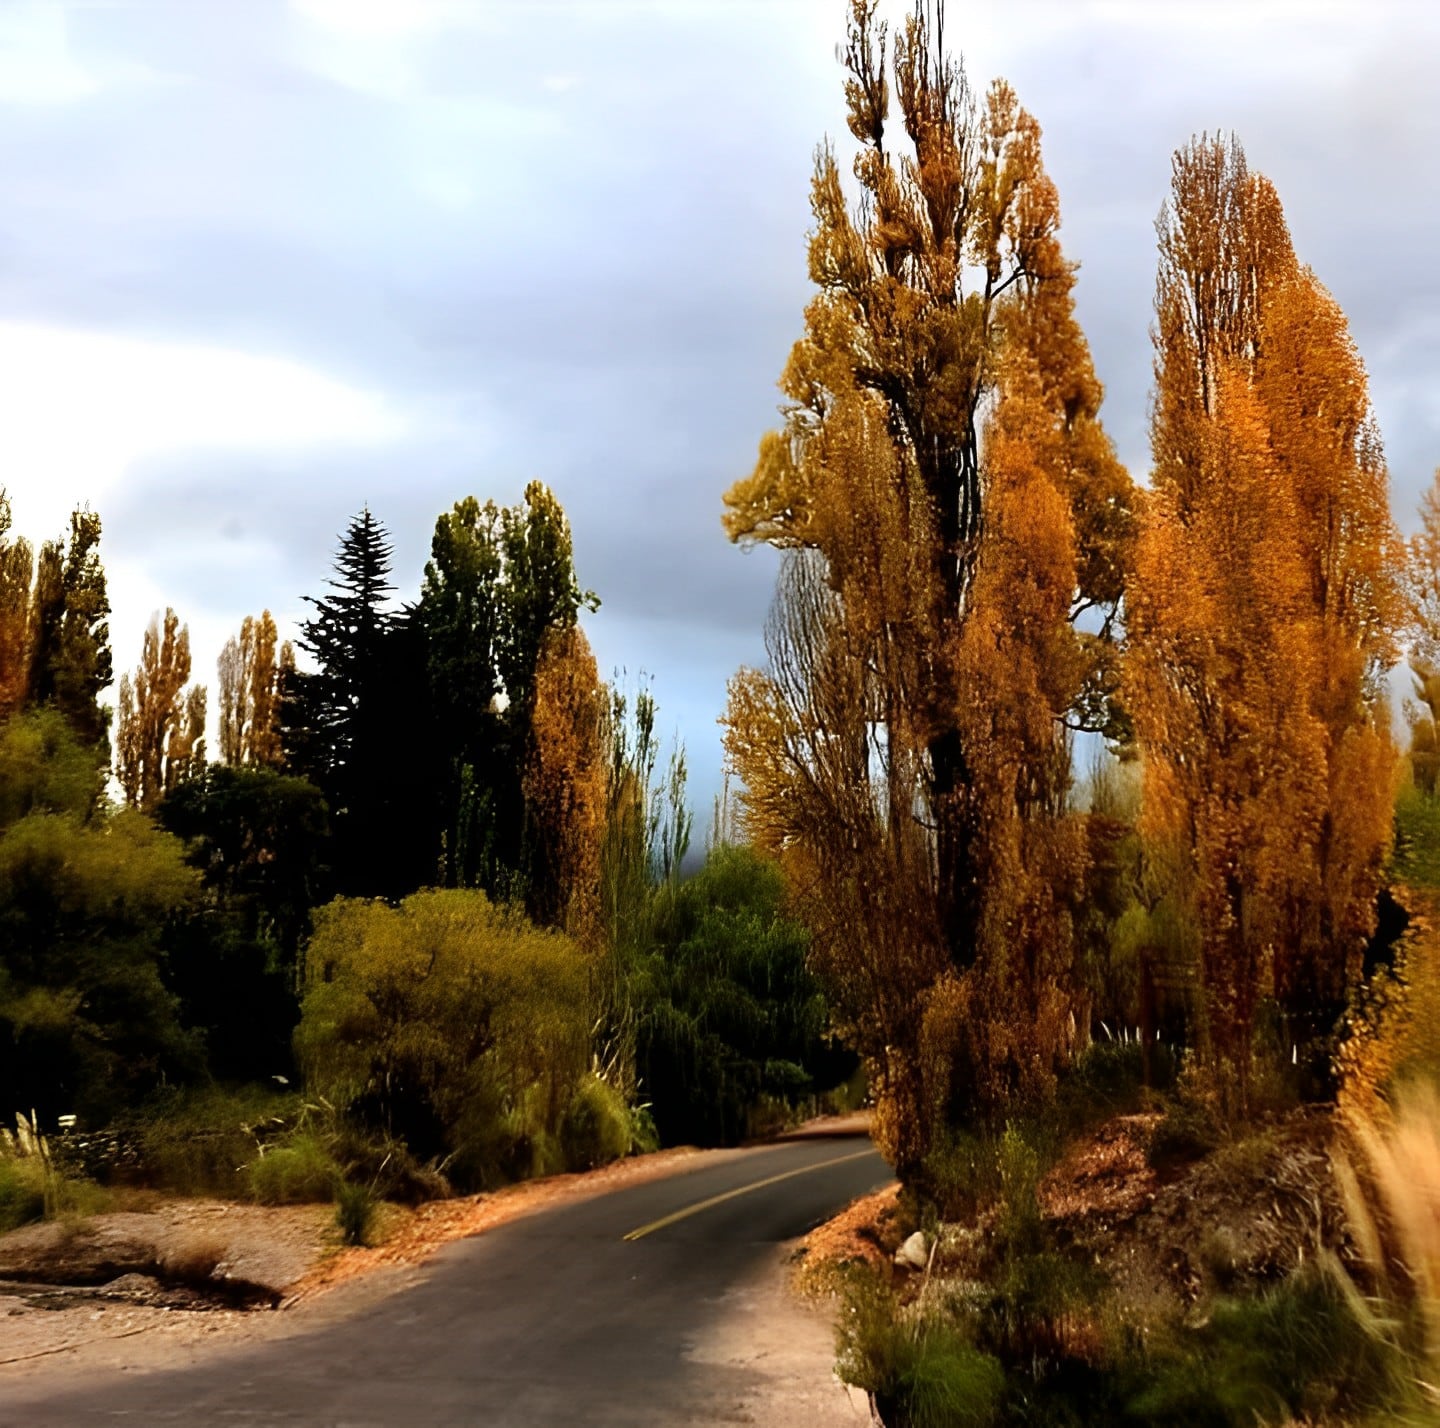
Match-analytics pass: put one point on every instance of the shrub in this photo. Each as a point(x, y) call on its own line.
point(450, 1025)
point(597, 1127)
point(191, 1141)
point(1306, 1350)
point(302, 1170)
point(22, 1191)
point(194, 1262)
point(1188, 1130)
point(33, 1186)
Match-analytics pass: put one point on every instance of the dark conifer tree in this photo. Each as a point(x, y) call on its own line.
point(349, 725)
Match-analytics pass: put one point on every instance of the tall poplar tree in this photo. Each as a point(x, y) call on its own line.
point(160, 730)
point(70, 661)
point(252, 674)
point(905, 752)
point(17, 567)
point(1262, 609)
point(500, 582)
point(565, 787)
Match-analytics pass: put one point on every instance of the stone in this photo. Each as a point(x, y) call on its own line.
point(914, 1253)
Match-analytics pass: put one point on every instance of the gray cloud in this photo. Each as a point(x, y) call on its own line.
point(567, 241)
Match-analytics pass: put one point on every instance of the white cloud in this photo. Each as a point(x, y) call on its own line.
point(36, 65)
point(382, 19)
point(82, 407)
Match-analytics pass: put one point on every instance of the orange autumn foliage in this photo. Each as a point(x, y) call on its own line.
point(565, 786)
point(160, 727)
point(950, 503)
point(252, 673)
point(1262, 609)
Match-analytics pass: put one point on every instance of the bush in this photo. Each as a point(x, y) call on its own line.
point(300, 1171)
point(450, 1025)
point(1187, 1131)
point(1304, 1351)
point(732, 1033)
point(194, 1262)
point(22, 1191)
point(597, 1127)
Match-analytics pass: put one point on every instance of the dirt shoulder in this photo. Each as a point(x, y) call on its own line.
point(1241, 1217)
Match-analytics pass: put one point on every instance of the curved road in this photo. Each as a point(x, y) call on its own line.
point(613, 1310)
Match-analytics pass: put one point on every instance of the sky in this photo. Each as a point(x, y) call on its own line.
point(262, 263)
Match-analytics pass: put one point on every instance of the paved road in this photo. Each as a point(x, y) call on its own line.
point(642, 1306)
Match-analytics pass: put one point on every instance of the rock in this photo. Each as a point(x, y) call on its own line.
point(914, 1253)
point(60, 1253)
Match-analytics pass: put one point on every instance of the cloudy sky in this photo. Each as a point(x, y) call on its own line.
point(262, 263)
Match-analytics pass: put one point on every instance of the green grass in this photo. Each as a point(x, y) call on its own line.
point(1416, 859)
point(921, 1370)
point(355, 1207)
point(299, 1171)
point(22, 1191)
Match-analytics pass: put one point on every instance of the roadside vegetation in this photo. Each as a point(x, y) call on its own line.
point(425, 927)
point(1151, 1031)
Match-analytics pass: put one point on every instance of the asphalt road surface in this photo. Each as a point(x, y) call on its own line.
point(614, 1310)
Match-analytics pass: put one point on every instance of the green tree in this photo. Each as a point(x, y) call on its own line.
point(731, 1020)
point(499, 583)
point(87, 1023)
point(540, 591)
point(356, 726)
point(70, 661)
point(460, 610)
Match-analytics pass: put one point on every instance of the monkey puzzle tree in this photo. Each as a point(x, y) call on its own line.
point(905, 752)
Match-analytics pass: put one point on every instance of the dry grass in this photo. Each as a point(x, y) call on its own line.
point(193, 1261)
point(1393, 1201)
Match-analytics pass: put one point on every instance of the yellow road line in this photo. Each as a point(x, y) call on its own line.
point(714, 1200)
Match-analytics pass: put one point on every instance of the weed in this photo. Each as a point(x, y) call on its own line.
point(597, 1126)
point(22, 1191)
point(1188, 1131)
point(918, 1367)
point(1306, 1350)
point(355, 1208)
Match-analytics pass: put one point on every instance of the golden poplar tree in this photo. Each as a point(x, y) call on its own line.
point(1261, 607)
point(17, 564)
point(904, 754)
point(160, 732)
point(1422, 634)
point(252, 672)
point(565, 786)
